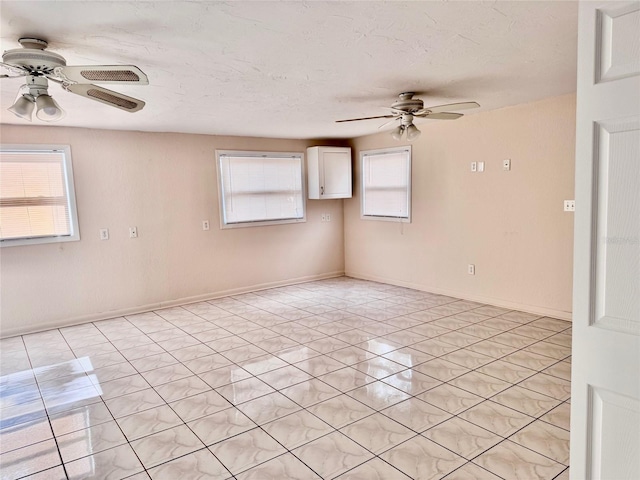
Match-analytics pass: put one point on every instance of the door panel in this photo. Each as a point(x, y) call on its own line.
point(605, 403)
point(618, 55)
point(614, 435)
point(617, 276)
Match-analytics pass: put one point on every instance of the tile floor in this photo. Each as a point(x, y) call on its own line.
point(340, 378)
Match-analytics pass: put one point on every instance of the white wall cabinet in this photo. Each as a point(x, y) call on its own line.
point(329, 172)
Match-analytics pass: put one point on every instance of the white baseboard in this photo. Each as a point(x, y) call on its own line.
point(497, 302)
point(550, 312)
point(94, 317)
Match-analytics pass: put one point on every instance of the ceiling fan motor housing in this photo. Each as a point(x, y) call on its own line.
point(406, 103)
point(33, 57)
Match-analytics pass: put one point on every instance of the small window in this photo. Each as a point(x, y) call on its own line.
point(260, 188)
point(37, 199)
point(386, 184)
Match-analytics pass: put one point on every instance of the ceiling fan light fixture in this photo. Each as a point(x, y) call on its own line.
point(412, 132)
point(397, 132)
point(48, 109)
point(23, 107)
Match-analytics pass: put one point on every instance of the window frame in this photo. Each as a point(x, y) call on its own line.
point(381, 151)
point(70, 190)
point(253, 153)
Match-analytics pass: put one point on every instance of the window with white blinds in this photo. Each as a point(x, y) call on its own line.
point(37, 200)
point(386, 184)
point(260, 188)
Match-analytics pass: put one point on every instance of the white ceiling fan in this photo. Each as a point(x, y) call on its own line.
point(39, 66)
point(406, 108)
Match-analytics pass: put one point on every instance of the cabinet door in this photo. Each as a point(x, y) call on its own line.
point(336, 174)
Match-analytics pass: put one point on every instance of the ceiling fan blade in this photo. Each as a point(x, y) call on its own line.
point(366, 118)
point(390, 121)
point(108, 97)
point(450, 106)
point(14, 69)
point(122, 74)
point(442, 116)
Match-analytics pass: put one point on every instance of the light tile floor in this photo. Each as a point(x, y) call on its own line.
point(340, 378)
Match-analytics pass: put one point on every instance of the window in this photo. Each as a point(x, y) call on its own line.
point(386, 184)
point(260, 188)
point(37, 200)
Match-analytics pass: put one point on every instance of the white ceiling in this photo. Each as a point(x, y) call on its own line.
point(290, 69)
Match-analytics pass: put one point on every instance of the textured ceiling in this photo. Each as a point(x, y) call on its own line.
point(290, 69)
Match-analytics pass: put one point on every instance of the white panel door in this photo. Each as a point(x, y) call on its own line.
point(605, 404)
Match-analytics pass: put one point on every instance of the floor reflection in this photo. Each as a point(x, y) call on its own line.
point(25, 395)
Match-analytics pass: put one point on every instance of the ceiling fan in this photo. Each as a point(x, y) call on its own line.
point(39, 66)
point(406, 108)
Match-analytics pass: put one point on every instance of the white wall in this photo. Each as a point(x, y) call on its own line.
point(164, 184)
point(511, 225)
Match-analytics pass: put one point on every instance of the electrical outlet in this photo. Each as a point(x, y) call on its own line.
point(471, 269)
point(328, 216)
point(104, 234)
point(205, 225)
point(133, 232)
point(569, 205)
point(506, 164)
point(474, 166)
point(481, 166)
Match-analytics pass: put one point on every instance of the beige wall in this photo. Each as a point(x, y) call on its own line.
point(511, 225)
point(164, 184)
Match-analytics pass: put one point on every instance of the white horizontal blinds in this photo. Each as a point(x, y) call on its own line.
point(386, 184)
point(261, 188)
point(33, 195)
